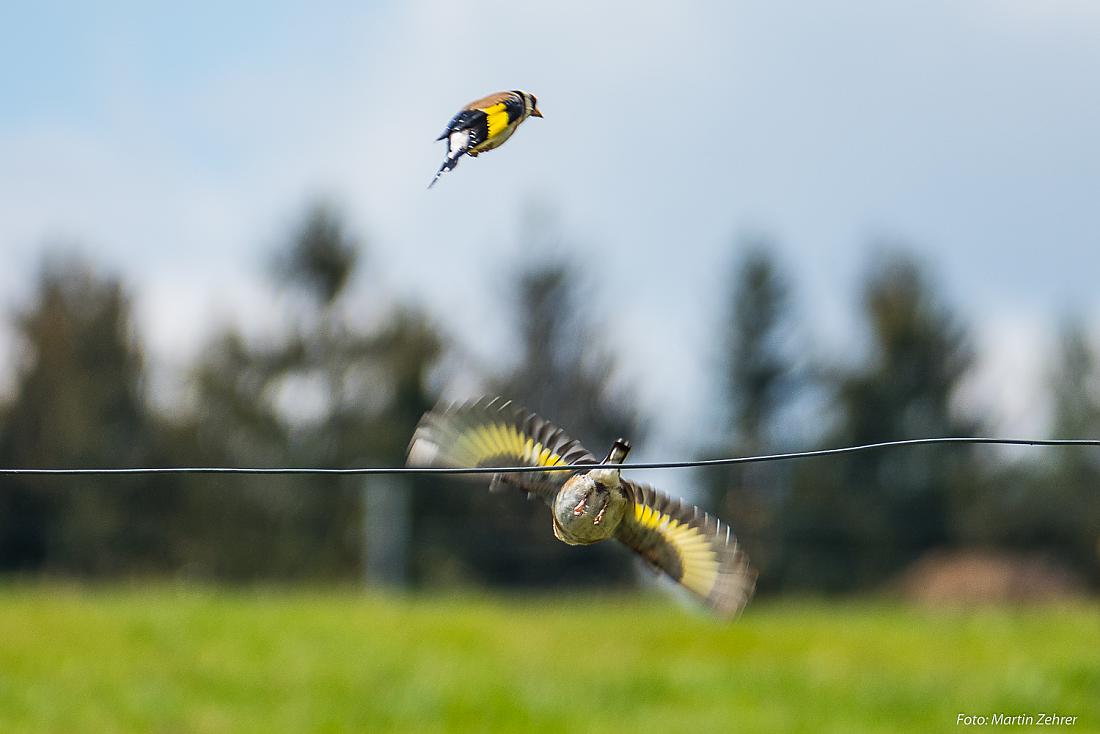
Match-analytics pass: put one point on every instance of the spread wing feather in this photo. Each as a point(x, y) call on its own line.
point(695, 549)
point(491, 432)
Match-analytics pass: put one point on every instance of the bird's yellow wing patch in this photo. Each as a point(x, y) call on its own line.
point(698, 561)
point(693, 548)
point(491, 433)
point(497, 119)
point(496, 440)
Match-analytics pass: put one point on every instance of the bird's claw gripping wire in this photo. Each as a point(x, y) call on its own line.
point(579, 509)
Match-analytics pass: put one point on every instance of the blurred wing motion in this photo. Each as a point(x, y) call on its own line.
point(695, 549)
point(494, 432)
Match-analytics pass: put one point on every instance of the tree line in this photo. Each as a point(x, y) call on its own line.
point(337, 387)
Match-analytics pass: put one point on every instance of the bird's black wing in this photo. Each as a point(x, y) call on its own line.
point(474, 122)
point(693, 548)
point(464, 132)
point(513, 106)
point(493, 432)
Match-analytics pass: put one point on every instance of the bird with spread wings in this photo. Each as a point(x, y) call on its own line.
point(593, 502)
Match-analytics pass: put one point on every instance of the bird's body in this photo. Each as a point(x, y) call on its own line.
point(588, 509)
point(485, 124)
point(589, 506)
point(592, 503)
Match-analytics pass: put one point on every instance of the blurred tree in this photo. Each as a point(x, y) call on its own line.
point(1052, 506)
point(758, 380)
point(79, 402)
point(564, 373)
point(320, 257)
point(759, 372)
point(852, 520)
point(565, 370)
point(336, 386)
point(327, 391)
point(1070, 508)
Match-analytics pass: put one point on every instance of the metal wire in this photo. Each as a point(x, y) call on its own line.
point(565, 467)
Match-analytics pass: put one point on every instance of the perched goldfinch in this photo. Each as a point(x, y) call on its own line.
point(590, 504)
point(484, 125)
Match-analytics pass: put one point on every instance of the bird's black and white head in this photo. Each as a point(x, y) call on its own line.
point(530, 104)
point(590, 505)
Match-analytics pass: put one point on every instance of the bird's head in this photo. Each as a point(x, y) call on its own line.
point(531, 104)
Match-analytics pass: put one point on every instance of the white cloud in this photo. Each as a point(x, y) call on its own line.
point(1008, 386)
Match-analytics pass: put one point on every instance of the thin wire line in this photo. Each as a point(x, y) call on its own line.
point(564, 467)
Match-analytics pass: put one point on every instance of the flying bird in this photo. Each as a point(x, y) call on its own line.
point(592, 503)
point(485, 124)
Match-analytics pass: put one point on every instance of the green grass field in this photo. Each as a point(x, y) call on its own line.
point(180, 659)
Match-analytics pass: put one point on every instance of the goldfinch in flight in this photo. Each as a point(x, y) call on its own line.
point(484, 125)
point(590, 504)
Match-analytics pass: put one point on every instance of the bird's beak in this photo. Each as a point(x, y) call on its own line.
point(536, 113)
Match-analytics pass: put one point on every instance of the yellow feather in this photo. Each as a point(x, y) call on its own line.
point(464, 449)
point(698, 566)
point(501, 440)
point(548, 457)
point(515, 440)
point(497, 119)
point(481, 442)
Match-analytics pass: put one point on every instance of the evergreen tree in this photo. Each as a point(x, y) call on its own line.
point(79, 402)
point(564, 373)
point(758, 380)
point(853, 520)
point(1070, 510)
point(326, 391)
point(1052, 505)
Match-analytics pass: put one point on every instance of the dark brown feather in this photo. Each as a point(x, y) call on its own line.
point(491, 100)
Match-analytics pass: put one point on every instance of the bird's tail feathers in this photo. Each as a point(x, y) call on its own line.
point(449, 164)
point(618, 452)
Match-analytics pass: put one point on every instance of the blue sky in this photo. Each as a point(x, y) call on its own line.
point(176, 144)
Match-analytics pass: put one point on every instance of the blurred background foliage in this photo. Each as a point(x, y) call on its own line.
point(338, 386)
